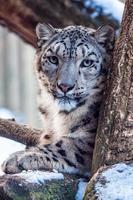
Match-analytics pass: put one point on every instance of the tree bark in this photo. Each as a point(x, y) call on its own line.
point(18, 132)
point(22, 16)
point(114, 142)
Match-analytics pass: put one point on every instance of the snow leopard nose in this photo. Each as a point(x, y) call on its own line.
point(65, 87)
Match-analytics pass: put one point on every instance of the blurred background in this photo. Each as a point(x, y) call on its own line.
point(17, 81)
point(17, 45)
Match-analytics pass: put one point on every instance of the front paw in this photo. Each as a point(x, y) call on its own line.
point(22, 161)
point(11, 166)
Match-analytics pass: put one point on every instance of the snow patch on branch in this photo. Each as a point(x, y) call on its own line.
point(116, 183)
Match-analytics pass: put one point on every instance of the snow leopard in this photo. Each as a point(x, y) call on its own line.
point(71, 66)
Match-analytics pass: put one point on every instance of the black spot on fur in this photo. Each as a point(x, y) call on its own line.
point(55, 159)
point(69, 163)
point(86, 120)
point(45, 151)
point(81, 103)
point(58, 144)
point(82, 152)
point(79, 159)
point(54, 155)
point(47, 146)
point(47, 158)
point(81, 141)
point(74, 128)
point(62, 152)
point(50, 150)
point(96, 87)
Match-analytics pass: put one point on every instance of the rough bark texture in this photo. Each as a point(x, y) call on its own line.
point(18, 132)
point(114, 142)
point(21, 16)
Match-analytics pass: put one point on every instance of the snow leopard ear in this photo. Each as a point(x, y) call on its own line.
point(105, 36)
point(44, 31)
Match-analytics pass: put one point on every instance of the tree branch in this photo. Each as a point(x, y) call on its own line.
point(18, 132)
point(22, 16)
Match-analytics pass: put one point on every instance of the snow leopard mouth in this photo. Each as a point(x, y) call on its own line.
point(67, 104)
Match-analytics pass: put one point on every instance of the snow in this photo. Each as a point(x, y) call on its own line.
point(113, 7)
point(81, 190)
point(39, 177)
point(117, 183)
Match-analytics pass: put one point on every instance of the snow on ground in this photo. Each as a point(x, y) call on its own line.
point(117, 183)
point(81, 190)
point(113, 7)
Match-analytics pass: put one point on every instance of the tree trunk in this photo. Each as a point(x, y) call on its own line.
point(22, 16)
point(114, 141)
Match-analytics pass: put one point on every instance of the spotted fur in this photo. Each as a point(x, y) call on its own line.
point(70, 66)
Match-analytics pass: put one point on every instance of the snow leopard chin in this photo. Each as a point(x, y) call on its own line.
point(66, 105)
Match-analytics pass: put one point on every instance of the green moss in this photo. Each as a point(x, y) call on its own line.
point(64, 189)
point(56, 190)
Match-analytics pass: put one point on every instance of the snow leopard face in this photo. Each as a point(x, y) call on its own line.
point(72, 62)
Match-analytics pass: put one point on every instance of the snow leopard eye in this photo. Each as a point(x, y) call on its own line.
point(53, 59)
point(87, 63)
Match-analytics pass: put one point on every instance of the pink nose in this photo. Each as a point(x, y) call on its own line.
point(65, 87)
